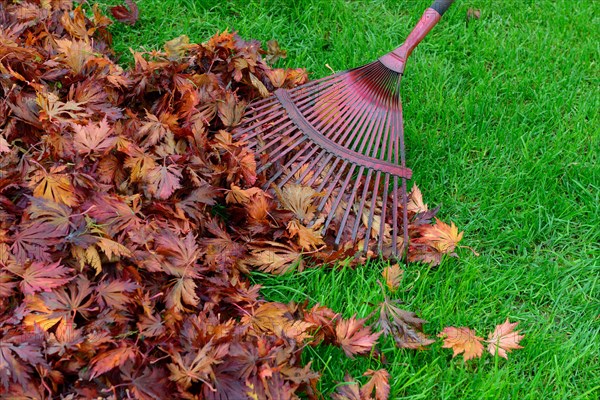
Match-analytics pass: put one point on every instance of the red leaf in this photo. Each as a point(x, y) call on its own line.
point(107, 360)
point(39, 276)
point(354, 337)
point(125, 15)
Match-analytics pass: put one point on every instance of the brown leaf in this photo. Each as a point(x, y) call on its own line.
point(392, 275)
point(462, 340)
point(299, 199)
point(379, 383)
point(354, 337)
point(404, 326)
point(308, 238)
point(94, 138)
point(504, 339)
point(415, 201)
point(164, 180)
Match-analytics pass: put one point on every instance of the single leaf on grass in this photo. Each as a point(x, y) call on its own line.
point(504, 339)
point(392, 275)
point(354, 337)
point(126, 15)
point(379, 383)
point(462, 340)
point(39, 276)
point(441, 236)
point(404, 326)
point(107, 360)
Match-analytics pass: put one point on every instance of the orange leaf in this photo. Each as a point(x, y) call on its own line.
point(415, 201)
point(56, 187)
point(379, 382)
point(308, 238)
point(504, 339)
point(462, 340)
point(105, 361)
point(441, 236)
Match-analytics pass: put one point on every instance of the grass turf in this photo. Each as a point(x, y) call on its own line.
point(502, 125)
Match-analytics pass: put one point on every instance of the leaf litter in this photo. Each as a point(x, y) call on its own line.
point(129, 220)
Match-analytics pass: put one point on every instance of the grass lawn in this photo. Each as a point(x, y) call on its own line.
point(503, 131)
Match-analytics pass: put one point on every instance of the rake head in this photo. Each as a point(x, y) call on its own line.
point(343, 136)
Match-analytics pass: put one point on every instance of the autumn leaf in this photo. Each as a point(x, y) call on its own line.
point(379, 383)
point(441, 236)
point(392, 276)
point(404, 326)
point(177, 47)
point(308, 238)
point(462, 340)
point(354, 337)
point(415, 201)
point(164, 180)
point(299, 199)
point(110, 359)
point(39, 276)
point(504, 339)
point(94, 138)
point(276, 259)
point(124, 14)
point(237, 195)
point(55, 186)
point(115, 293)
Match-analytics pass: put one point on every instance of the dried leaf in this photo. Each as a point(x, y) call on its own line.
point(504, 339)
point(462, 340)
point(379, 383)
point(354, 337)
point(392, 275)
point(127, 15)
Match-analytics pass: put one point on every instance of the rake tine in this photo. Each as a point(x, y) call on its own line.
point(301, 138)
point(338, 199)
point(372, 211)
point(361, 206)
point(318, 172)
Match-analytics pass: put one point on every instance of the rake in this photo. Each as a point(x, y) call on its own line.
point(343, 134)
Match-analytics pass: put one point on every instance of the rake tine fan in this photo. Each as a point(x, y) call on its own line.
point(343, 135)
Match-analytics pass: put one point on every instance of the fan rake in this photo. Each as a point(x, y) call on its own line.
point(343, 135)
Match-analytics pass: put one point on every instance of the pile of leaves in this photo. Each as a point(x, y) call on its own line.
point(129, 220)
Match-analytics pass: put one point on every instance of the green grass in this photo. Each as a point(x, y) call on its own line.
point(502, 125)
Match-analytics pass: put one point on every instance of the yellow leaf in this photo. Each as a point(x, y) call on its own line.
point(56, 187)
point(298, 199)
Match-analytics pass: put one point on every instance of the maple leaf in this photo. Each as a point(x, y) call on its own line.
point(415, 201)
point(379, 383)
point(349, 390)
point(277, 259)
point(462, 340)
point(13, 369)
point(177, 47)
point(404, 326)
point(354, 337)
point(94, 138)
point(164, 180)
point(39, 276)
point(308, 238)
point(230, 110)
point(183, 291)
point(60, 306)
point(110, 359)
point(54, 186)
point(196, 367)
point(124, 14)
point(299, 199)
point(441, 236)
point(114, 293)
point(392, 276)
point(274, 52)
point(237, 195)
point(149, 383)
point(504, 339)
point(54, 109)
point(268, 317)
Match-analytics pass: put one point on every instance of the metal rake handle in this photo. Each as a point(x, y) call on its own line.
point(396, 60)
